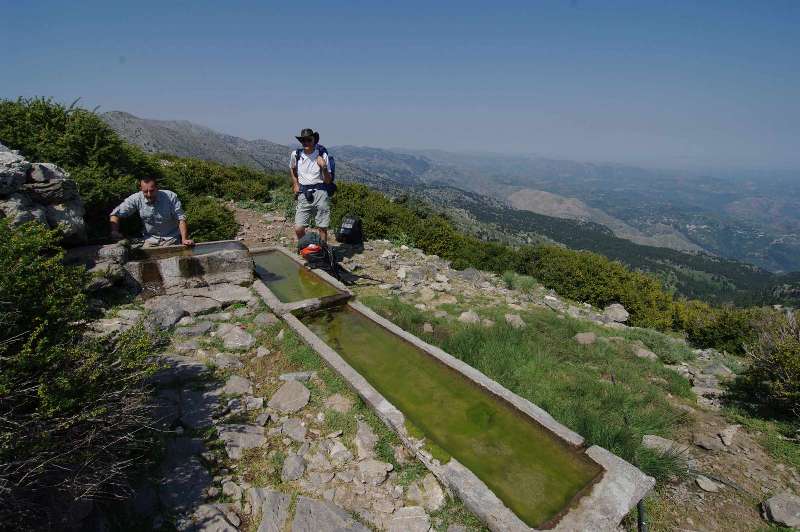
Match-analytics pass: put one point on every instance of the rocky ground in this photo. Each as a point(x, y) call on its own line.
point(259, 435)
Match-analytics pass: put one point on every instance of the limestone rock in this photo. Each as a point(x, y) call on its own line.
point(616, 313)
point(184, 484)
point(52, 192)
point(232, 489)
point(365, 441)
point(19, 209)
point(198, 407)
point(469, 316)
point(272, 506)
point(215, 518)
point(175, 369)
point(515, 320)
point(710, 442)
point(373, 472)
point(266, 319)
point(321, 516)
point(290, 397)
point(706, 484)
point(13, 172)
point(302, 376)
point(294, 429)
point(426, 493)
point(235, 338)
point(165, 311)
point(643, 352)
point(236, 385)
point(727, 434)
point(664, 445)
point(427, 328)
point(783, 509)
point(409, 519)
point(43, 172)
point(293, 467)
point(239, 437)
point(585, 338)
point(197, 329)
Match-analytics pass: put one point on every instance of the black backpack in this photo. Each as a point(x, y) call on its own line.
point(350, 231)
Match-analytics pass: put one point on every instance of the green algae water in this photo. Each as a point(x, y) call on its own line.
point(288, 280)
point(534, 474)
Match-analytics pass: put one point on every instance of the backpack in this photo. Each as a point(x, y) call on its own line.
point(350, 231)
point(322, 150)
point(317, 254)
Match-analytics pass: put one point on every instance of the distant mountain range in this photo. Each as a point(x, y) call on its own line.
point(647, 219)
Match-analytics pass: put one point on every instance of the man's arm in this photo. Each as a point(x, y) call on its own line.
point(322, 162)
point(123, 210)
point(183, 227)
point(293, 171)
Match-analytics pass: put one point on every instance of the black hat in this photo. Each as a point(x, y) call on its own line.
point(308, 133)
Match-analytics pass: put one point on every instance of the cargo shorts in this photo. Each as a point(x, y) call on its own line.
point(320, 208)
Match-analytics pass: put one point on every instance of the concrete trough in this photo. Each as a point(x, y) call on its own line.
point(287, 265)
point(600, 505)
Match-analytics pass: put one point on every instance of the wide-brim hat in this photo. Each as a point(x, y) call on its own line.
point(308, 133)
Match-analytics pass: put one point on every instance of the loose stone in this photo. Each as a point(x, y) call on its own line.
point(585, 338)
point(293, 467)
point(290, 397)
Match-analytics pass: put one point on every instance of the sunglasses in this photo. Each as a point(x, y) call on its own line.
point(307, 140)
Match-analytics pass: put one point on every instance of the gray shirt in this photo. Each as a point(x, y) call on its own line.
point(160, 218)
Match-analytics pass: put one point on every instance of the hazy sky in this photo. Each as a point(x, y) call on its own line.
point(672, 83)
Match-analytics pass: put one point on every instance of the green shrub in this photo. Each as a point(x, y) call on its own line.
point(772, 380)
point(71, 408)
point(193, 177)
point(725, 328)
point(210, 220)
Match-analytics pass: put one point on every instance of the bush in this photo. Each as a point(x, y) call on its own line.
point(71, 408)
point(592, 278)
point(193, 177)
point(725, 328)
point(210, 220)
point(772, 380)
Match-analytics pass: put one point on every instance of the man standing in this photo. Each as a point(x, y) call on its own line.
point(161, 214)
point(312, 183)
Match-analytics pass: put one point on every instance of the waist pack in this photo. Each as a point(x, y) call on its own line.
point(330, 188)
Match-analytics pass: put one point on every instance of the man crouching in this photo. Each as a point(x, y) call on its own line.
point(161, 214)
point(312, 184)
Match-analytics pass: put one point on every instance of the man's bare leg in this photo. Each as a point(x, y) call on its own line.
point(323, 234)
point(299, 232)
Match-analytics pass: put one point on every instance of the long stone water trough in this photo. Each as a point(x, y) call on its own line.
point(508, 460)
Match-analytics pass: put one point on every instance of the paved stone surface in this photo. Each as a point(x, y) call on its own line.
point(176, 369)
point(272, 506)
point(165, 311)
point(783, 509)
point(293, 467)
point(198, 407)
point(321, 516)
point(427, 493)
point(184, 483)
point(585, 338)
point(238, 437)
point(234, 337)
point(290, 397)
point(409, 519)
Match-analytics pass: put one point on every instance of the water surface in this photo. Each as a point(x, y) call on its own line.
point(289, 280)
point(535, 474)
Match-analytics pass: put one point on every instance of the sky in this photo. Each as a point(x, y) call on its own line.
point(679, 84)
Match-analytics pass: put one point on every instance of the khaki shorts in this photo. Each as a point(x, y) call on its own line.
point(320, 207)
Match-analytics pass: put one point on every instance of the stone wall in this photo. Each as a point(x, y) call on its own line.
point(40, 192)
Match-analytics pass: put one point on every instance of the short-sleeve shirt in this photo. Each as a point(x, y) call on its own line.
point(160, 218)
point(308, 171)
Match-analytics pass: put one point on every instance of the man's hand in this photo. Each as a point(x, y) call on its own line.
point(321, 161)
point(296, 188)
point(188, 242)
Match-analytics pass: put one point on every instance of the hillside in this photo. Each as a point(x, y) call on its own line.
point(456, 184)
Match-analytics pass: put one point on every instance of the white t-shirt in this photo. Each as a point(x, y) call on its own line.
point(308, 171)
